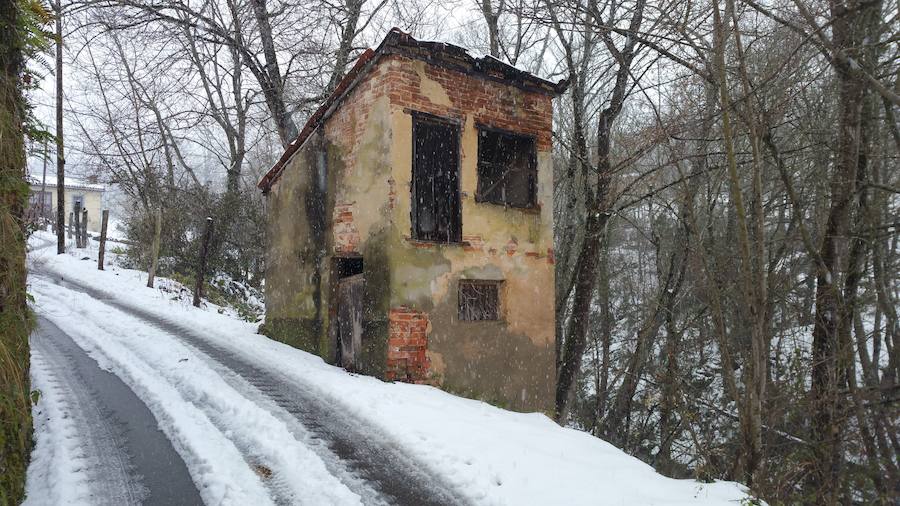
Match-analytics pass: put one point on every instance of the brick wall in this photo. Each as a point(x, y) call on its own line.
point(490, 102)
point(480, 100)
point(407, 342)
point(346, 235)
point(345, 129)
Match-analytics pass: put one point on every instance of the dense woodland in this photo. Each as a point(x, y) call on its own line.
point(726, 204)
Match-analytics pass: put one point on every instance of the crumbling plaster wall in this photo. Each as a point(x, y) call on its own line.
point(333, 200)
point(292, 276)
point(363, 199)
point(410, 322)
point(510, 362)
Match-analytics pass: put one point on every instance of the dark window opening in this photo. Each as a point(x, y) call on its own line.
point(507, 169)
point(38, 198)
point(77, 202)
point(479, 300)
point(348, 266)
point(436, 212)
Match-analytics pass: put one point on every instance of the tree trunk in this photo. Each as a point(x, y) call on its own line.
point(154, 248)
point(201, 262)
point(101, 251)
point(492, 19)
point(576, 341)
point(273, 83)
point(827, 360)
point(347, 35)
point(60, 153)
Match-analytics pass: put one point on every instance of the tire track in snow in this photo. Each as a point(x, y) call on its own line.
point(109, 472)
point(357, 484)
point(368, 453)
point(289, 474)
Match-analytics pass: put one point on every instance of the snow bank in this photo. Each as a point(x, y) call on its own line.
point(493, 455)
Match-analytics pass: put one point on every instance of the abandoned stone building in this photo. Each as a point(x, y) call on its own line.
point(411, 225)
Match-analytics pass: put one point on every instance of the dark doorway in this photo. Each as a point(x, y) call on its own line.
point(349, 294)
point(435, 190)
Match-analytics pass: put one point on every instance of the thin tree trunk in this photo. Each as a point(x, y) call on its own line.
point(60, 153)
point(273, 83)
point(154, 248)
point(201, 263)
point(492, 19)
point(101, 251)
point(598, 207)
point(751, 254)
point(828, 358)
point(346, 44)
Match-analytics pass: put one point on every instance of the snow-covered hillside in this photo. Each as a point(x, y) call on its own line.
point(489, 455)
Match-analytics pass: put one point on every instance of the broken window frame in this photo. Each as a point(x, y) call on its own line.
point(492, 313)
point(455, 225)
point(531, 170)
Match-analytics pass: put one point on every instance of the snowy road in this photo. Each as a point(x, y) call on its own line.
point(371, 469)
point(256, 422)
point(114, 437)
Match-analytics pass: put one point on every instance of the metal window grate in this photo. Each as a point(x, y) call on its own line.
point(479, 300)
point(507, 169)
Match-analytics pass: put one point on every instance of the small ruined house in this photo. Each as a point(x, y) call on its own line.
point(411, 225)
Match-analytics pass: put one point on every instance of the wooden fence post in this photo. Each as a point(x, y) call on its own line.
point(154, 259)
point(84, 221)
point(102, 250)
point(69, 225)
point(201, 265)
point(77, 226)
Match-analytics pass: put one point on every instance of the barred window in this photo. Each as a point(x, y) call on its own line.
point(479, 300)
point(506, 169)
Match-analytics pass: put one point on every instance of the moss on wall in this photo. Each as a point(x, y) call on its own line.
point(296, 332)
point(293, 296)
point(301, 294)
point(367, 146)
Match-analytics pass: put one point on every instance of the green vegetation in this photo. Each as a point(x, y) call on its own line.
point(22, 39)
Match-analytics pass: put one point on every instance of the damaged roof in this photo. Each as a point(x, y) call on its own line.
point(436, 53)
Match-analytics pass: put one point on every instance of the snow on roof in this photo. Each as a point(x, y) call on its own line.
point(70, 182)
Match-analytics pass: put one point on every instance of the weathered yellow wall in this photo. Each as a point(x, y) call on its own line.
point(299, 298)
point(511, 362)
point(93, 202)
point(367, 209)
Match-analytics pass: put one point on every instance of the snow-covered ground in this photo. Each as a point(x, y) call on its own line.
point(225, 434)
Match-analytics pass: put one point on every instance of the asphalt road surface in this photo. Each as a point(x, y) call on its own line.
point(128, 460)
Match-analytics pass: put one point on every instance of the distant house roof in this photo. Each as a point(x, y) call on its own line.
point(436, 53)
point(70, 183)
